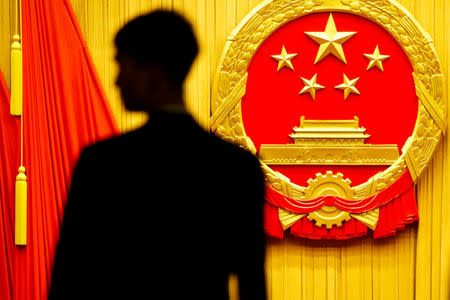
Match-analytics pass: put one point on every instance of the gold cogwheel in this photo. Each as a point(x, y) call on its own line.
point(329, 185)
point(329, 216)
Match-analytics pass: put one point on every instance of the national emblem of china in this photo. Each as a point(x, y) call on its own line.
point(343, 102)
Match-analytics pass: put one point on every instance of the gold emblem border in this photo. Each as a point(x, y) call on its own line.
point(231, 78)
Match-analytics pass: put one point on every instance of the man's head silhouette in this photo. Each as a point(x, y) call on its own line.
point(154, 52)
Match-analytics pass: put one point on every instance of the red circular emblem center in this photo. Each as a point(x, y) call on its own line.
point(384, 101)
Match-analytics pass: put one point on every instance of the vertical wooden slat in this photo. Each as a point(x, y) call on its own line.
point(354, 270)
point(268, 267)
point(286, 278)
point(388, 287)
point(293, 285)
point(191, 88)
point(144, 6)
point(367, 267)
point(212, 53)
point(436, 224)
point(319, 271)
point(309, 270)
point(242, 9)
point(331, 271)
point(275, 267)
point(342, 283)
point(376, 269)
point(408, 4)
point(155, 4)
point(305, 275)
point(231, 16)
point(253, 3)
point(203, 79)
point(405, 252)
point(444, 55)
point(423, 257)
point(221, 26)
point(439, 246)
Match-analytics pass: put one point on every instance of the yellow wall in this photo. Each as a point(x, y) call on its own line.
point(412, 265)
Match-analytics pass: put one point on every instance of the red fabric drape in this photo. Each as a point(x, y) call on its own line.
point(399, 187)
point(396, 214)
point(9, 163)
point(397, 205)
point(65, 109)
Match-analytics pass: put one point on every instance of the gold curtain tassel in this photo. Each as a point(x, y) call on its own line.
point(16, 77)
point(21, 208)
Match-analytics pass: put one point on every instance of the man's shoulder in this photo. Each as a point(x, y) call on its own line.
point(198, 144)
point(235, 159)
point(115, 144)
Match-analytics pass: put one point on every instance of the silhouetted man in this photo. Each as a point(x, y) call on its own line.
point(167, 211)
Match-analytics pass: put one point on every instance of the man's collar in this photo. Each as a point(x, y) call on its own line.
point(174, 109)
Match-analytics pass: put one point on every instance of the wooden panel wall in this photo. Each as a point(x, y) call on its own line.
point(412, 265)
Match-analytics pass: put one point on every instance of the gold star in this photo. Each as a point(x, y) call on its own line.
point(376, 59)
point(311, 86)
point(348, 86)
point(284, 59)
point(330, 41)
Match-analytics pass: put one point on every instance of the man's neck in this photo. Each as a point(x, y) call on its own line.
point(174, 109)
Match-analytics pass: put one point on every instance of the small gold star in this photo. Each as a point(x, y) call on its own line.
point(284, 59)
point(376, 59)
point(330, 41)
point(348, 86)
point(311, 86)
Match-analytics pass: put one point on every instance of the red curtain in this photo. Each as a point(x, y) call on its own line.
point(65, 109)
point(9, 162)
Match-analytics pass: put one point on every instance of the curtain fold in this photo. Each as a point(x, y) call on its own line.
point(9, 163)
point(65, 109)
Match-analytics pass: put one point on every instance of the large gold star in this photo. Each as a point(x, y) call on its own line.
point(311, 86)
point(330, 41)
point(284, 59)
point(376, 59)
point(348, 86)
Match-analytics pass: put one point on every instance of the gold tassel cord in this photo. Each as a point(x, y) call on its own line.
point(16, 76)
point(21, 198)
point(21, 208)
point(16, 66)
point(17, 110)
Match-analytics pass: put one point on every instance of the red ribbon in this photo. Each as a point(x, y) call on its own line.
point(397, 205)
point(395, 190)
